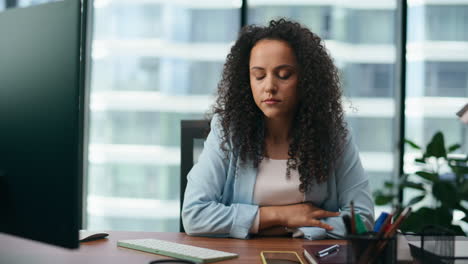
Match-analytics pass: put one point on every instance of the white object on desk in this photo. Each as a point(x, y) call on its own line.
point(86, 236)
point(176, 250)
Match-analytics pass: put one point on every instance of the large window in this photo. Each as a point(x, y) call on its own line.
point(154, 64)
point(437, 75)
point(437, 21)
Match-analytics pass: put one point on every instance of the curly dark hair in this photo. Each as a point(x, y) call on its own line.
point(318, 130)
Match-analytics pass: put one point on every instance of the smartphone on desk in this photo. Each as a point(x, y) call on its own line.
point(280, 257)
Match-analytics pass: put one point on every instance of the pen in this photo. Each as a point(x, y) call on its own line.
point(380, 221)
point(385, 225)
point(347, 223)
point(360, 226)
point(371, 248)
point(353, 220)
point(391, 232)
point(324, 252)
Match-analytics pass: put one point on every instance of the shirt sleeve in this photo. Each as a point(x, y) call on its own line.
point(203, 213)
point(256, 224)
point(352, 184)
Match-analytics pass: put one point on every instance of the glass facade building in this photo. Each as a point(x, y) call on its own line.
point(437, 78)
point(156, 62)
point(437, 70)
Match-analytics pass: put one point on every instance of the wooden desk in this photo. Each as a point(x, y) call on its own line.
point(17, 250)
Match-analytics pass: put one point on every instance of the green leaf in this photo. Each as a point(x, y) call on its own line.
point(461, 208)
point(418, 186)
point(412, 144)
point(413, 222)
point(428, 176)
point(420, 160)
point(416, 199)
point(457, 169)
point(436, 148)
point(463, 189)
point(457, 230)
point(465, 219)
point(443, 215)
point(427, 216)
point(382, 199)
point(445, 192)
point(388, 184)
point(456, 160)
point(453, 148)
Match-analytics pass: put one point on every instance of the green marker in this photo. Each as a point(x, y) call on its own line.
point(360, 227)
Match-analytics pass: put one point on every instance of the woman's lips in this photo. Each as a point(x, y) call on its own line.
point(271, 101)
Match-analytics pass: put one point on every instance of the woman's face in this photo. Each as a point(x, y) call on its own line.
point(273, 78)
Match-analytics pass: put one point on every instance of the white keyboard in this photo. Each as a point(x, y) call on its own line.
point(176, 250)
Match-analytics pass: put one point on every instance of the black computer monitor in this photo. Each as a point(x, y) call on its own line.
point(41, 121)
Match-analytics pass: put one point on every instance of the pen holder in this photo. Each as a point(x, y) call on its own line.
point(369, 248)
point(436, 245)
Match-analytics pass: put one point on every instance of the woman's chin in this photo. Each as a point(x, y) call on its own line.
point(270, 115)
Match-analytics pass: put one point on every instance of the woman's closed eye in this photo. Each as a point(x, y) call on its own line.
point(259, 76)
point(284, 73)
point(281, 75)
point(284, 76)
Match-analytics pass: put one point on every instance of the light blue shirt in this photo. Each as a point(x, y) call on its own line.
point(219, 195)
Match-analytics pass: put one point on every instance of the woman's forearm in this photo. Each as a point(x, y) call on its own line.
point(293, 216)
point(270, 216)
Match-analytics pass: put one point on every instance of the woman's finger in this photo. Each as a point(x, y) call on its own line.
point(324, 214)
point(317, 223)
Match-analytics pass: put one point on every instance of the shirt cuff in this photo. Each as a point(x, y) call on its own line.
point(243, 220)
point(313, 233)
point(298, 233)
point(256, 224)
point(295, 232)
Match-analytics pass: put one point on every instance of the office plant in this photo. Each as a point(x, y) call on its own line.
point(441, 185)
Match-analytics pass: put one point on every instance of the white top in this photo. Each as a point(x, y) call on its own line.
point(273, 187)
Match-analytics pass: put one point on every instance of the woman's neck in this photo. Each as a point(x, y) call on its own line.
point(277, 138)
point(278, 130)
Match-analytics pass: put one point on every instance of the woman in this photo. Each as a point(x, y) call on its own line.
point(279, 157)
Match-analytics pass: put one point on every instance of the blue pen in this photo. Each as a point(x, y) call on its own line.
point(380, 221)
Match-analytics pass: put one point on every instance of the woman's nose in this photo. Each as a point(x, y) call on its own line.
point(270, 85)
